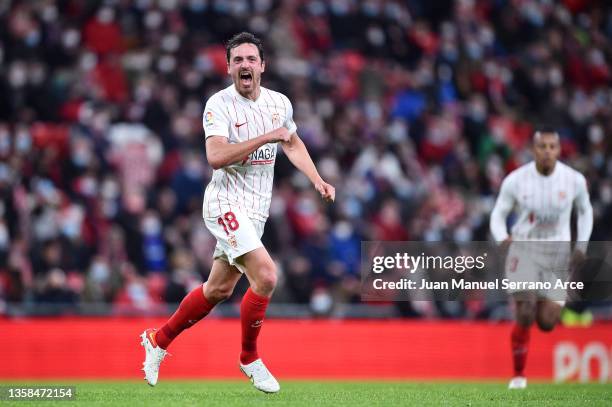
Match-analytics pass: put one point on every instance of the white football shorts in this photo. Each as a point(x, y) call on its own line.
point(236, 234)
point(544, 262)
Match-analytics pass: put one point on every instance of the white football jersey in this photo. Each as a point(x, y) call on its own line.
point(246, 184)
point(543, 205)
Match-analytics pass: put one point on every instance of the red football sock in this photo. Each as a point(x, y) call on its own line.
point(252, 312)
point(193, 308)
point(520, 344)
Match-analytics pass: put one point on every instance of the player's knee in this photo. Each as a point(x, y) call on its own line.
point(548, 316)
point(266, 284)
point(546, 324)
point(218, 293)
point(266, 279)
point(547, 321)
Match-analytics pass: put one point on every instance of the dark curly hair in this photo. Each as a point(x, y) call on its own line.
point(243, 38)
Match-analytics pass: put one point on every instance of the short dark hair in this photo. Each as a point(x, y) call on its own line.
point(243, 38)
point(544, 129)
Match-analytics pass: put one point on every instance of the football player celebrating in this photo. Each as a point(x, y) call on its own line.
point(243, 123)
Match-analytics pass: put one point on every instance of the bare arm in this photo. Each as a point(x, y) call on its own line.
point(298, 155)
point(503, 206)
point(584, 216)
point(220, 153)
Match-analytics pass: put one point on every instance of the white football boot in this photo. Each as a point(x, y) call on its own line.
point(154, 356)
point(518, 382)
point(260, 376)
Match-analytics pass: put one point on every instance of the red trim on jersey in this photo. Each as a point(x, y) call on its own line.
point(271, 188)
point(236, 188)
point(270, 96)
point(228, 115)
point(236, 111)
point(267, 182)
point(284, 106)
point(255, 119)
point(259, 202)
point(254, 122)
point(243, 184)
point(253, 192)
point(275, 107)
point(247, 125)
point(219, 200)
point(272, 99)
point(227, 190)
point(262, 119)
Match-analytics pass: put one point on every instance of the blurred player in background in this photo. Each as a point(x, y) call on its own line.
point(243, 124)
point(542, 193)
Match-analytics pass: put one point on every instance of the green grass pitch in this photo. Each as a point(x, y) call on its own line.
point(324, 393)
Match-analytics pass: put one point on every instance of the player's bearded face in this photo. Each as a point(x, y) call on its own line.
point(245, 67)
point(546, 150)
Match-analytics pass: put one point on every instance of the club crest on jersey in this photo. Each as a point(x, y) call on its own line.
point(275, 119)
point(562, 194)
point(232, 241)
point(209, 119)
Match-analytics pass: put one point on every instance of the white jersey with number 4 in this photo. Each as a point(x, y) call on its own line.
point(246, 184)
point(543, 205)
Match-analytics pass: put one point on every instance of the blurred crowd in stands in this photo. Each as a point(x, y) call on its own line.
point(415, 110)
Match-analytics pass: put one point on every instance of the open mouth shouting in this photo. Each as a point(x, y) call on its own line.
point(246, 78)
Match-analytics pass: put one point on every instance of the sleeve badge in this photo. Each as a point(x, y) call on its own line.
point(209, 120)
